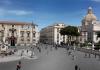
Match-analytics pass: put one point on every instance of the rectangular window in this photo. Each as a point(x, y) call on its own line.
point(28, 34)
point(0, 34)
point(22, 26)
point(34, 26)
point(58, 30)
point(2, 25)
point(28, 39)
point(33, 34)
point(22, 39)
point(28, 26)
point(22, 33)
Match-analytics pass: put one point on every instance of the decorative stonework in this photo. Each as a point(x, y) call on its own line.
point(17, 32)
point(89, 25)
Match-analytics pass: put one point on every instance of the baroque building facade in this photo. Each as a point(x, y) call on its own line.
point(90, 27)
point(18, 33)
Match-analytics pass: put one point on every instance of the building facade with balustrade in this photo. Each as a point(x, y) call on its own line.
point(18, 33)
point(90, 27)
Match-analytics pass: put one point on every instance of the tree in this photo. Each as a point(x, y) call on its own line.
point(98, 34)
point(70, 31)
point(97, 45)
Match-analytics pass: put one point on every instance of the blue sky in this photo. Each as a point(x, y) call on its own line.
point(46, 12)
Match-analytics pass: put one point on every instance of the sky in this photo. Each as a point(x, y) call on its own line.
point(47, 12)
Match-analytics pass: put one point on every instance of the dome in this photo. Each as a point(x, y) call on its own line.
point(90, 16)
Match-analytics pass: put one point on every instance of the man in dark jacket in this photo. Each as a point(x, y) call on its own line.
point(76, 67)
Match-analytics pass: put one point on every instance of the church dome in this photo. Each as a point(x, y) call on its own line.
point(90, 16)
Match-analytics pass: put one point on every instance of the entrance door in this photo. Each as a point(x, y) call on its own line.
point(12, 42)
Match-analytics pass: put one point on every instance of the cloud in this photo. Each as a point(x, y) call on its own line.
point(5, 12)
point(96, 0)
point(19, 12)
point(2, 12)
point(6, 2)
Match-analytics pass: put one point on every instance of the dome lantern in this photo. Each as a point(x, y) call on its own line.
point(90, 10)
point(90, 16)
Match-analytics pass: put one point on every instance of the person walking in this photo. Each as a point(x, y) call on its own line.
point(76, 67)
point(27, 50)
point(39, 49)
point(18, 66)
point(79, 69)
point(73, 57)
point(22, 52)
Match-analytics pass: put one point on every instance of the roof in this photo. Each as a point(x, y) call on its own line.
point(16, 23)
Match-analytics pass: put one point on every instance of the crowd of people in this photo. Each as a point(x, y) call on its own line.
point(47, 47)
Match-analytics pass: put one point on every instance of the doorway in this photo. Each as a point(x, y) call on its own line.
point(12, 42)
